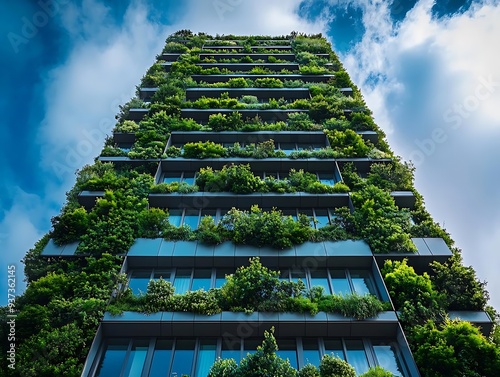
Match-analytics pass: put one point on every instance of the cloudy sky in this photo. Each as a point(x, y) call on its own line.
point(430, 73)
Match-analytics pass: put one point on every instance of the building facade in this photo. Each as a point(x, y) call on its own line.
point(300, 133)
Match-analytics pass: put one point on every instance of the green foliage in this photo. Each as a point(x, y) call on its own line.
point(204, 149)
point(311, 45)
point(69, 226)
point(347, 143)
point(264, 362)
point(413, 295)
point(460, 285)
point(352, 305)
point(238, 82)
point(455, 348)
point(268, 82)
point(250, 99)
point(199, 301)
point(377, 220)
point(257, 227)
point(223, 368)
point(208, 232)
point(172, 47)
point(300, 121)
point(152, 223)
point(309, 370)
point(378, 371)
point(392, 177)
point(332, 366)
point(158, 295)
point(223, 122)
point(53, 352)
point(128, 126)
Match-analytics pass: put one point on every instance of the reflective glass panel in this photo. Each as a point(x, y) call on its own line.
point(191, 219)
point(320, 278)
point(287, 147)
point(334, 346)
point(175, 217)
point(356, 356)
point(139, 281)
point(250, 346)
point(220, 276)
point(164, 274)
point(287, 349)
point(171, 177)
point(183, 357)
point(231, 349)
point(386, 357)
point(162, 355)
point(182, 281)
point(298, 274)
point(202, 279)
point(362, 282)
point(188, 178)
point(339, 282)
point(205, 357)
point(310, 352)
point(327, 178)
point(112, 361)
point(321, 216)
point(136, 358)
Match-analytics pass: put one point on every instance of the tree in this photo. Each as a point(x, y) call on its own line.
point(333, 366)
point(456, 348)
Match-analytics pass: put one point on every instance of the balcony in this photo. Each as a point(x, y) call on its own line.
point(169, 57)
point(245, 67)
point(202, 115)
point(263, 94)
point(219, 56)
point(225, 78)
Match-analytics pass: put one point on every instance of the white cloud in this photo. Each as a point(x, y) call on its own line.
point(20, 229)
point(438, 101)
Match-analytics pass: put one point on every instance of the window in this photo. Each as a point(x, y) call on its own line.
point(139, 279)
point(182, 281)
point(319, 278)
point(191, 218)
point(183, 357)
point(194, 357)
point(113, 358)
point(171, 177)
point(202, 279)
point(321, 217)
point(162, 355)
point(136, 358)
point(327, 178)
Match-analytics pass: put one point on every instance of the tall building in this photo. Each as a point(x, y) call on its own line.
point(252, 152)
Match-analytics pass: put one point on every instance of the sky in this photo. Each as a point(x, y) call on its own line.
point(429, 72)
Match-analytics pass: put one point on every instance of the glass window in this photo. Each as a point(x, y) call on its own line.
point(164, 274)
point(386, 358)
point(171, 177)
point(175, 217)
point(284, 275)
point(287, 349)
point(182, 281)
point(162, 355)
point(191, 218)
point(295, 275)
point(202, 280)
point(211, 213)
point(205, 357)
point(339, 282)
point(327, 178)
point(139, 281)
point(231, 349)
point(334, 346)
point(287, 147)
point(310, 352)
point(136, 358)
point(320, 278)
point(356, 356)
point(250, 346)
point(220, 277)
point(362, 282)
point(183, 357)
point(321, 216)
point(112, 361)
point(188, 178)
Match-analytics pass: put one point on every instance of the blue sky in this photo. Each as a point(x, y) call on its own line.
point(428, 71)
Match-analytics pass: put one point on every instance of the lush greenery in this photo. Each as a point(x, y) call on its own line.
point(251, 288)
point(66, 297)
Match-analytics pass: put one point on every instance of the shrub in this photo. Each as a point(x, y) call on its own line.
point(203, 149)
point(152, 223)
point(347, 143)
point(128, 126)
point(199, 301)
point(378, 371)
point(332, 366)
point(249, 99)
point(309, 370)
point(70, 226)
point(158, 295)
point(223, 368)
point(352, 305)
point(238, 82)
point(268, 82)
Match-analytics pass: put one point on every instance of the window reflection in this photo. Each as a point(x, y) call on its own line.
point(183, 357)
point(206, 357)
point(136, 358)
point(162, 355)
point(112, 361)
point(356, 356)
point(287, 349)
point(386, 357)
point(310, 352)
